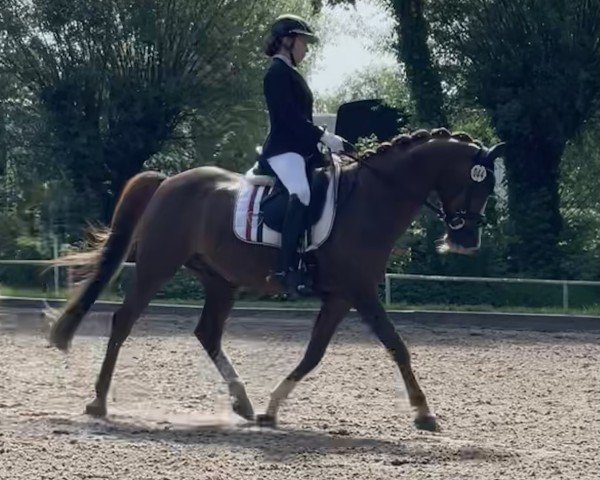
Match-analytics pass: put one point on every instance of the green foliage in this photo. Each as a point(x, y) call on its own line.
point(318, 4)
point(90, 92)
point(490, 296)
point(580, 205)
point(367, 143)
point(87, 90)
point(15, 245)
point(117, 78)
point(411, 45)
point(386, 83)
point(475, 122)
point(421, 68)
point(8, 234)
point(183, 286)
point(534, 66)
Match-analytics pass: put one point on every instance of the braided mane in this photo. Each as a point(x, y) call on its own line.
point(419, 136)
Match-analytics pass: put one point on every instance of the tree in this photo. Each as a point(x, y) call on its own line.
point(23, 173)
point(580, 204)
point(412, 51)
point(421, 70)
point(534, 66)
point(386, 83)
point(118, 78)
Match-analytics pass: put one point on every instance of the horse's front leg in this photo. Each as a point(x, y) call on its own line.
point(331, 314)
point(374, 315)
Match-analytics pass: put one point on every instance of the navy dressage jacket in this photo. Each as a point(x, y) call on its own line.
point(290, 105)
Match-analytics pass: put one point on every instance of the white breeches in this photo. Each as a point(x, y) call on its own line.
point(290, 167)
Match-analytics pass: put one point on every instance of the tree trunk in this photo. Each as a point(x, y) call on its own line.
point(534, 204)
point(3, 142)
point(422, 75)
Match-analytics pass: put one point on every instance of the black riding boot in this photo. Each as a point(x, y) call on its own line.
point(293, 226)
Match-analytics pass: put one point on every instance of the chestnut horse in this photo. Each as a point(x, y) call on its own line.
point(186, 220)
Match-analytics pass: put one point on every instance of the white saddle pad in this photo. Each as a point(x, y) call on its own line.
point(248, 223)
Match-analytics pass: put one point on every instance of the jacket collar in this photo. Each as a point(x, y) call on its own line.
point(284, 59)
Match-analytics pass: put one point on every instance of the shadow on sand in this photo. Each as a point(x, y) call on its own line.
point(276, 444)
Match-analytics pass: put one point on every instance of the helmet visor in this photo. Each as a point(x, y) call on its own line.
point(308, 36)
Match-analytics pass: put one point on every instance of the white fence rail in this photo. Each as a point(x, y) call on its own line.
point(388, 279)
point(439, 278)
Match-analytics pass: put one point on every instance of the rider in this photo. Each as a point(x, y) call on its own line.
point(290, 149)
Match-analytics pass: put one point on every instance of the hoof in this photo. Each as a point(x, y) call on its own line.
point(240, 402)
point(243, 408)
point(58, 341)
point(96, 409)
point(264, 420)
point(427, 422)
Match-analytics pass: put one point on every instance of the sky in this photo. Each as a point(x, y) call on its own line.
point(353, 38)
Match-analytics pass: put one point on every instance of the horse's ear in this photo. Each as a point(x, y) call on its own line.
point(496, 151)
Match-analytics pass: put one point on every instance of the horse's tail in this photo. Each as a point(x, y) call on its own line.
point(111, 247)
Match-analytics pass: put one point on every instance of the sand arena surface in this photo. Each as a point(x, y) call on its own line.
point(512, 405)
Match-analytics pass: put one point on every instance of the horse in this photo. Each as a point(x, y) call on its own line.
point(186, 220)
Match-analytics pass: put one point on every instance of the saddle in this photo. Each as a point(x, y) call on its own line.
point(274, 204)
point(262, 201)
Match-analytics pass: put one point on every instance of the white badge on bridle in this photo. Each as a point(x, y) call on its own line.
point(478, 173)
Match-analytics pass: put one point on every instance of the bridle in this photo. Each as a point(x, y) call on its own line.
point(481, 173)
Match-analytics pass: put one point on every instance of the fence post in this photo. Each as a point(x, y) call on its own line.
point(565, 290)
point(55, 268)
point(388, 290)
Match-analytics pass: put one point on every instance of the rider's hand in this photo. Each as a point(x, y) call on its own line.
point(334, 142)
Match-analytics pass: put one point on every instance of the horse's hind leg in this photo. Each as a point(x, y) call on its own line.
point(144, 287)
point(218, 302)
point(122, 322)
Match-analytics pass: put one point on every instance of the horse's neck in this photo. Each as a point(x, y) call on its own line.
point(394, 197)
point(415, 175)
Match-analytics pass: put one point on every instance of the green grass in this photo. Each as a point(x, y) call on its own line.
point(593, 310)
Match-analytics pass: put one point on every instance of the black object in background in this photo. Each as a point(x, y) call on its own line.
point(363, 118)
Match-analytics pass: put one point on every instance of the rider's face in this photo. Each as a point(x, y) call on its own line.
point(300, 49)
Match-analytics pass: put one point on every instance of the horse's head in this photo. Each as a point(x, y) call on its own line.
point(464, 189)
point(454, 166)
